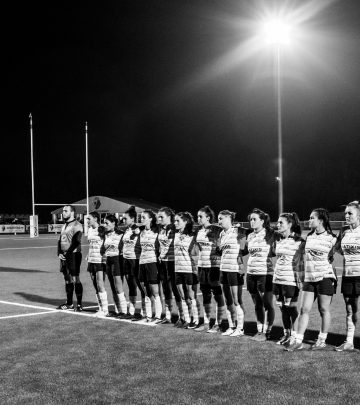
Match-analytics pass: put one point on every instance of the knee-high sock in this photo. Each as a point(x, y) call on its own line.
point(350, 328)
point(168, 308)
point(69, 288)
point(143, 306)
point(179, 305)
point(229, 316)
point(207, 313)
point(195, 311)
point(239, 317)
point(148, 309)
point(78, 292)
point(122, 302)
point(104, 302)
point(158, 307)
point(132, 304)
point(98, 300)
point(116, 303)
point(198, 306)
point(185, 310)
point(220, 313)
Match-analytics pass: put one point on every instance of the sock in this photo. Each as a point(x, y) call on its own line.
point(229, 317)
point(104, 302)
point(148, 309)
point(116, 303)
point(198, 306)
point(240, 317)
point(158, 307)
point(220, 313)
point(322, 336)
point(180, 309)
point(267, 328)
point(132, 304)
point(195, 311)
point(143, 307)
point(299, 337)
point(185, 310)
point(122, 303)
point(350, 329)
point(260, 327)
point(168, 309)
point(98, 300)
point(69, 288)
point(78, 292)
point(207, 313)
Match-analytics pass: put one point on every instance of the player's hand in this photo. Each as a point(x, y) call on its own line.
point(62, 257)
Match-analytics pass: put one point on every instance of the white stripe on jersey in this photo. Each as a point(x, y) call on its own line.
point(318, 249)
point(208, 256)
point(148, 248)
point(231, 258)
point(183, 249)
point(111, 244)
point(289, 266)
point(350, 246)
point(259, 262)
point(95, 242)
point(131, 245)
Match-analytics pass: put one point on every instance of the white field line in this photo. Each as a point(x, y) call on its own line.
point(27, 306)
point(22, 315)
point(31, 247)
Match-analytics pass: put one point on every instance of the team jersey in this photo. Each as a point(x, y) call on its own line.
point(111, 244)
point(95, 243)
point(350, 248)
point(230, 246)
point(131, 244)
point(68, 230)
point(149, 246)
point(259, 249)
point(186, 253)
point(166, 241)
point(319, 250)
point(208, 240)
point(289, 267)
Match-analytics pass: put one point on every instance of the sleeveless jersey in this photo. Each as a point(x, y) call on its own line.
point(95, 242)
point(289, 267)
point(67, 232)
point(318, 250)
point(166, 241)
point(350, 248)
point(259, 261)
point(111, 244)
point(208, 240)
point(185, 253)
point(231, 257)
point(131, 244)
point(148, 242)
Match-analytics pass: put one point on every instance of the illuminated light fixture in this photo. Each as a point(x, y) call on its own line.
point(277, 31)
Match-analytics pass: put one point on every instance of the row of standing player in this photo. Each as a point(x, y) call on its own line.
point(164, 250)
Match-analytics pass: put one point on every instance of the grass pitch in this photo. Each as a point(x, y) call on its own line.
point(52, 357)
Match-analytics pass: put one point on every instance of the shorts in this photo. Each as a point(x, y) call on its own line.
point(71, 266)
point(209, 275)
point(231, 278)
point(131, 267)
point(113, 266)
point(148, 273)
point(326, 286)
point(286, 291)
point(259, 283)
point(95, 267)
point(350, 286)
point(166, 271)
point(184, 278)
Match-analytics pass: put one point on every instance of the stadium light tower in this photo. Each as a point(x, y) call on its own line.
point(277, 33)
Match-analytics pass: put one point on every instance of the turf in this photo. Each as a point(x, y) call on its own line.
point(65, 358)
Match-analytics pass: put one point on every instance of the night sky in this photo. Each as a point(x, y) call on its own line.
point(170, 121)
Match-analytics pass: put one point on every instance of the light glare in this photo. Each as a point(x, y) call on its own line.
point(277, 32)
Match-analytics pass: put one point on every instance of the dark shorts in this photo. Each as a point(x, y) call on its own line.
point(95, 267)
point(209, 276)
point(326, 286)
point(282, 291)
point(350, 286)
point(131, 267)
point(71, 266)
point(231, 278)
point(148, 273)
point(256, 284)
point(113, 266)
point(184, 278)
point(166, 270)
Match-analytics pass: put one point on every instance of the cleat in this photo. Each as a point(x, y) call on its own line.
point(101, 314)
point(179, 323)
point(65, 307)
point(283, 340)
point(318, 345)
point(193, 325)
point(138, 319)
point(202, 328)
point(185, 325)
point(345, 347)
point(156, 321)
point(237, 333)
point(125, 316)
point(165, 321)
point(228, 332)
point(259, 337)
point(78, 308)
point(294, 346)
point(214, 329)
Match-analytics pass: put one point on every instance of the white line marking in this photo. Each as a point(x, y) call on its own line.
point(29, 247)
point(27, 306)
point(21, 315)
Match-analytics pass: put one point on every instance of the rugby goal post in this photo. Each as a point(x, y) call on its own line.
point(34, 220)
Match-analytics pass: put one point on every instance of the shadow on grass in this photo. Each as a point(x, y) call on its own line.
point(39, 299)
point(13, 270)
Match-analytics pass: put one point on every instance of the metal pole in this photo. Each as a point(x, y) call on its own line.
point(279, 127)
point(87, 169)
point(32, 166)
